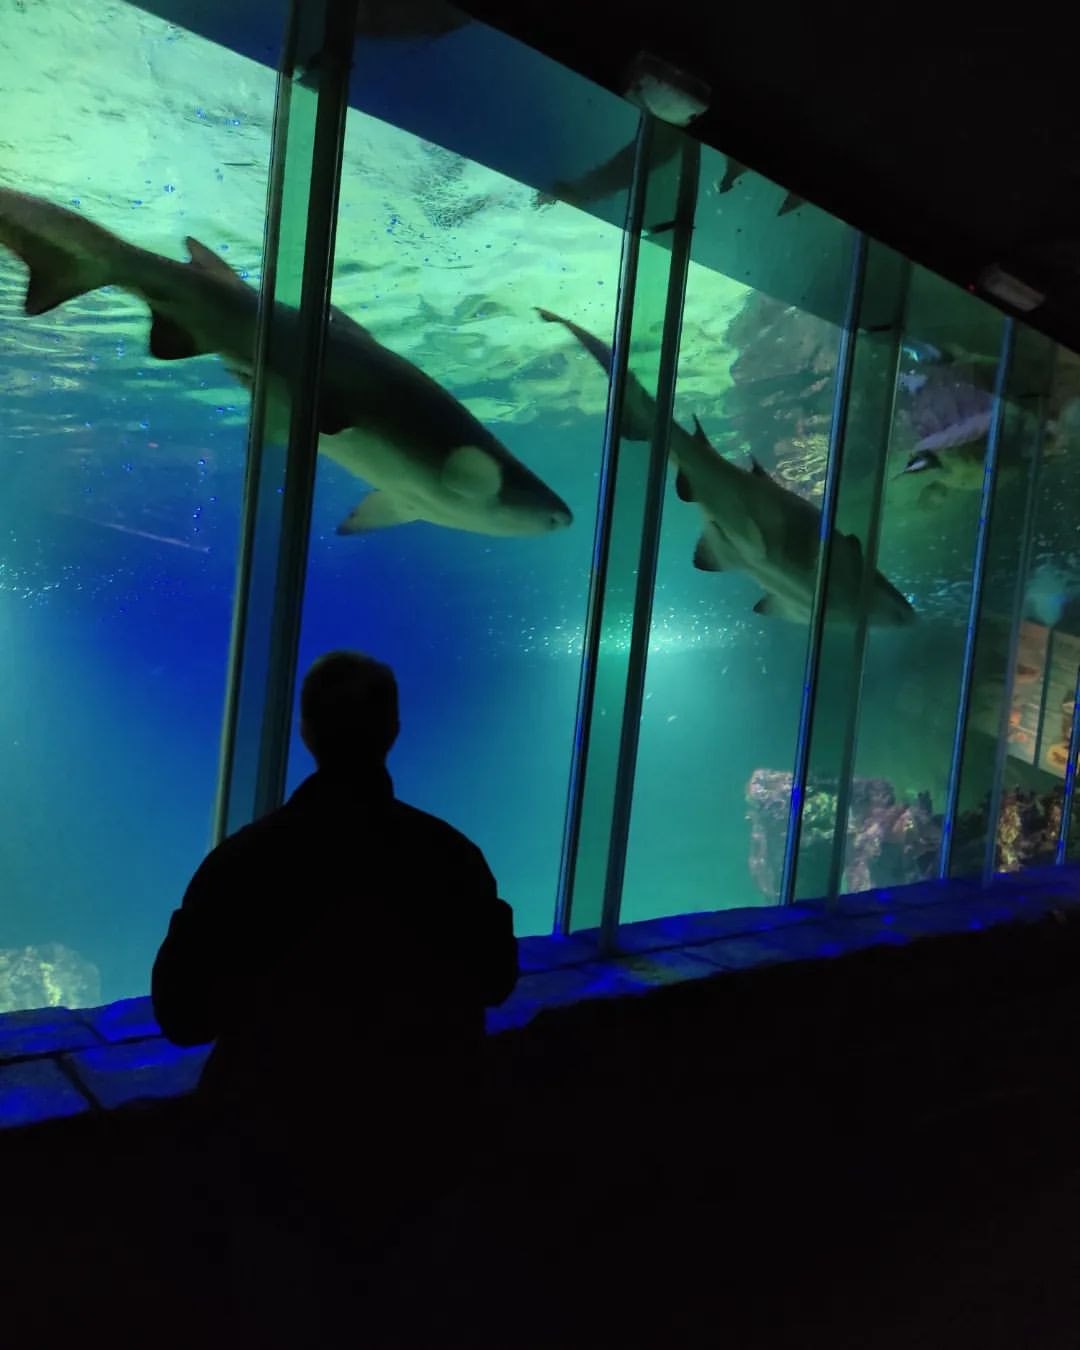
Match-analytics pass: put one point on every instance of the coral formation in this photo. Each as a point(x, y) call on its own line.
point(1028, 828)
point(779, 405)
point(46, 976)
point(890, 841)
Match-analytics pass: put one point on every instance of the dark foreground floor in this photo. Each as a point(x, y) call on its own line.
point(966, 1234)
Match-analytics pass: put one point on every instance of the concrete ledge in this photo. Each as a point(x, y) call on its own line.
point(57, 1063)
point(43, 1031)
point(34, 1091)
point(112, 1076)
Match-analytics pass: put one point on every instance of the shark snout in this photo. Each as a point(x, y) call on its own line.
point(561, 517)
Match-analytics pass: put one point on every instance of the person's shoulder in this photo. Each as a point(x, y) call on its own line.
point(251, 836)
point(433, 831)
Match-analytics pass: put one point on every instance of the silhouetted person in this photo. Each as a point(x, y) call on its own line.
point(340, 952)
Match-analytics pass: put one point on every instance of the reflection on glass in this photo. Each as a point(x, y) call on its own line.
point(738, 550)
point(122, 476)
point(1023, 715)
point(948, 348)
point(456, 544)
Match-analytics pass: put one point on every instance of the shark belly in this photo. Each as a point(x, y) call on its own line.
point(381, 463)
point(409, 485)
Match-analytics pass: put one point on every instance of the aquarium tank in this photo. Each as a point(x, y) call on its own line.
point(725, 558)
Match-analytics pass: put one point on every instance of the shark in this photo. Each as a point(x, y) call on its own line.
point(381, 418)
point(751, 523)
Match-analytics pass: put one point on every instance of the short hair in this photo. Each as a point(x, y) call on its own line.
point(349, 709)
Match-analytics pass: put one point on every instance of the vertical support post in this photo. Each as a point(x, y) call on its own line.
point(1022, 565)
point(1070, 779)
point(986, 501)
point(661, 209)
point(1048, 665)
point(859, 641)
point(594, 613)
point(641, 625)
point(837, 430)
point(309, 125)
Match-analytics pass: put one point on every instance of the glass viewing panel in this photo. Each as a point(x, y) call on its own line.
point(457, 542)
point(1029, 634)
point(123, 477)
point(761, 329)
point(458, 546)
point(932, 376)
point(652, 290)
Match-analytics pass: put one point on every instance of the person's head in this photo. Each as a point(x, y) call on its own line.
point(348, 711)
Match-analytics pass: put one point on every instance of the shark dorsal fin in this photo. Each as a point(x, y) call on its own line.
point(856, 544)
point(208, 261)
point(699, 433)
point(757, 470)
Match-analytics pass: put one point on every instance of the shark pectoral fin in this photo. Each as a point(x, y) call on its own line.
point(333, 414)
point(471, 472)
point(375, 512)
point(206, 259)
point(706, 557)
point(772, 607)
point(683, 488)
point(171, 342)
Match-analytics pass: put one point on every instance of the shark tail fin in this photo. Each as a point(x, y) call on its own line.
point(67, 255)
point(56, 276)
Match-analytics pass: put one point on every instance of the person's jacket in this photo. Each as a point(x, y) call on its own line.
point(340, 952)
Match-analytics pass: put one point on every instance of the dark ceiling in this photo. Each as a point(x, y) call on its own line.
point(958, 146)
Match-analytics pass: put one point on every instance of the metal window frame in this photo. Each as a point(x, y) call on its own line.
point(327, 72)
point(594, 612)
point(871, 548)
point(613, 794)
point(1023, 565)
point(978, 577)
point(845, 365)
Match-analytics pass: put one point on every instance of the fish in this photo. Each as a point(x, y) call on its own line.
point(961, 468)
point(924, 353)
point(750, 523)
point(792, 201)
point(732, 173)
point(920, 462)
point(379, 416)
point(948, 407)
